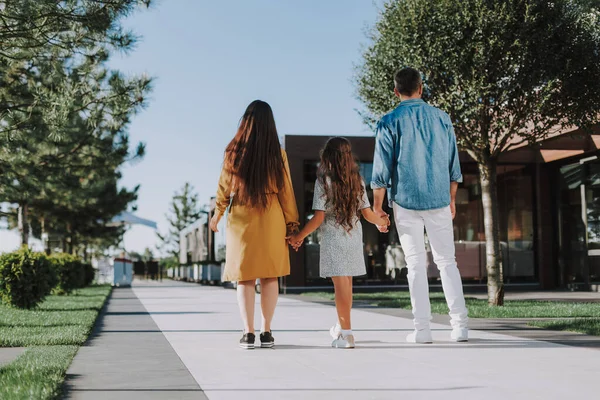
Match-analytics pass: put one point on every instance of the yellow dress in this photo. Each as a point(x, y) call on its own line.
point(256, 245)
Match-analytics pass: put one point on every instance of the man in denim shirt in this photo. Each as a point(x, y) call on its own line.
point(417, 158)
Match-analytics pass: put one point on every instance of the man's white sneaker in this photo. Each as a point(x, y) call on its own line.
point(343, 342)
point(460, 335)
point(422, 336)
point(335, 331)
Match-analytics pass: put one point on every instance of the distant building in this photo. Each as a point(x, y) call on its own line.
point(194, 242)
point(201, 251)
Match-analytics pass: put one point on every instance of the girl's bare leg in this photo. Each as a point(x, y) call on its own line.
point(343, 299)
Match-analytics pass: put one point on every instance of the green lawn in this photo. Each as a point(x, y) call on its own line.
point(480, 308)
point(53, 332)
point(589, 326)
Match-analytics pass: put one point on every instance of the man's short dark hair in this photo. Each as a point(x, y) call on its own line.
point(407, 81)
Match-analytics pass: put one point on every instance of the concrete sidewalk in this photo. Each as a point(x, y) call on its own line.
point(127, 357)
point(203, 327)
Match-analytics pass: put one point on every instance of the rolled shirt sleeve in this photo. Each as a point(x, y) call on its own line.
point(383, 159)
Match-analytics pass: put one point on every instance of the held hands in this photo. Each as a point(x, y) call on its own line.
point(384, 223)
point(295, 240)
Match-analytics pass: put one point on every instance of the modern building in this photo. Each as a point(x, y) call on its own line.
point(549, 210)
point(194, 242)
point(201, 251)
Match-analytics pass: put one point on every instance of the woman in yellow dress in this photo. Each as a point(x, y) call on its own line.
point(255, 185)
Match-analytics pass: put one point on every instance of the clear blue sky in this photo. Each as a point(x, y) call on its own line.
point(210, 60)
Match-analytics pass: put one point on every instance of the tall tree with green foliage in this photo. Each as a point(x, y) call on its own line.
point(508, 72)
point(28, 25)
point(51, 31)
point(74, 172)
point(184, 210)
point(64, 115)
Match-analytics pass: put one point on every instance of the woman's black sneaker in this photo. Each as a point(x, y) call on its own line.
point(247, 341)
point(266, 340)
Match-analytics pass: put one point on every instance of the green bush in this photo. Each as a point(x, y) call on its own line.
point(89, 274)
point(26, 278)
point(70, 272)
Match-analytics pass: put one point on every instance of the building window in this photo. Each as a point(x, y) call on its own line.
point(516, 228)
point(515, 200)
point(579, 223)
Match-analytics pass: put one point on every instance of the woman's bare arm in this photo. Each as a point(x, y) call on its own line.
point(315, 222)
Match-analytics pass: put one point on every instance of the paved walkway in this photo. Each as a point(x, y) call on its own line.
point(202, 327)
point(128, 357)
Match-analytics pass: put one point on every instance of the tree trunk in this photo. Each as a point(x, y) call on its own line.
point(489, 197)
point(24, 224)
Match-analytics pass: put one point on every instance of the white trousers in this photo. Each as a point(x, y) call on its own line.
point(411, 225)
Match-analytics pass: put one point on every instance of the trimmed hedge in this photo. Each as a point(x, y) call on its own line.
point(26, 278)
point(70, 272)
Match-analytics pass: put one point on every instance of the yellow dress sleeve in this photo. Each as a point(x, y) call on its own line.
point(223, 192)
point(288, 200)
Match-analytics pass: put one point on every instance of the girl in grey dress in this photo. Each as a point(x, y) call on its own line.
point(340, 198)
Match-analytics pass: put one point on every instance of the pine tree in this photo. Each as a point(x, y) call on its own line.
point(45, 31)
point(184, 210)
point(70, 166)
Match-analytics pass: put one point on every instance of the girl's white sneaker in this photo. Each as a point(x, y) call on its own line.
point(343, 342)
point(335, 330)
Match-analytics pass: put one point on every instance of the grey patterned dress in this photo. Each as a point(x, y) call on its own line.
point(341, 251)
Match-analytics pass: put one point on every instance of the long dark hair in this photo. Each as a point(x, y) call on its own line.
point(254, 157)
point(340, 176)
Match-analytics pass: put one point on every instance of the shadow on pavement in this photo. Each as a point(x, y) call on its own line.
point(443, 389)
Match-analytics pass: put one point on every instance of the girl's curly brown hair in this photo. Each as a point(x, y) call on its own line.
point(340, 177)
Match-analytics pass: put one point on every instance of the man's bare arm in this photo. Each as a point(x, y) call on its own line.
point(378, 199)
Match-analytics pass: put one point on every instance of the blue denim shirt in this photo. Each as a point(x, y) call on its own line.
point(416, 156)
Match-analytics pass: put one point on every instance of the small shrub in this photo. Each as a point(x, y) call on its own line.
point(70, 272)
point(89, 274)
point(26, 278)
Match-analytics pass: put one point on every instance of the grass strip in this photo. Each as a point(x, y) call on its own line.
point(53, 332)
point(59, 320)
point(480, 308)
point(37, 374)
point(589, 326)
